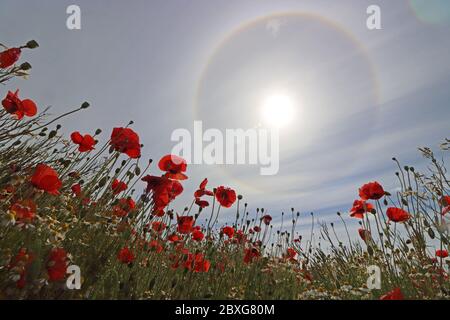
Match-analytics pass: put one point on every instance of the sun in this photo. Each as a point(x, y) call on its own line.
point(278, 110)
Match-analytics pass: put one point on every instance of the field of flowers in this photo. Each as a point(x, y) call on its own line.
point(71, 201)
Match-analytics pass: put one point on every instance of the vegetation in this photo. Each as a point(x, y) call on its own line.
point(76, 202)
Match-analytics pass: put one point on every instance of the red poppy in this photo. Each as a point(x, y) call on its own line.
point(397, 214)
point(57, 264)
point(173, 238)
point(442, 253)
point(118, 186)
point(20, 264)
point(76, 189)
point(126, 141)
point(24, 211)
point(229, 231)
point(225, 196)
point(200, 263)
point(256, 228)
point(124, 207)
point(164, 190)
point(201, 203)
point(46, 178)
point(174, 166)
point(291, 254)
point(241, 237)
point(9, 57)
point(159, 212)
point(166, 193)
point(395, 294)
point(251, 254)
point(158, 226)
point(364, 234)
point(156, 246)
point(197, 235)
point(266, 219)
point(125, 255)
point(185, 224)
point(154, 182)
point(371, 191)
point(446, 200)
point(14, 105)
point(86, 143)
point(201, 191)
point(360, 207)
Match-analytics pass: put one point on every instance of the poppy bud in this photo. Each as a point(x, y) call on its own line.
point(32, 44)
point(25, 66)
point(58, 127)
point(431, 233)
point(102, 182)
point(85, 105)
point(52, 134)
point(239, 197)
point(98, 131)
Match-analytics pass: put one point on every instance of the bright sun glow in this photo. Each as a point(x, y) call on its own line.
point(278, 110)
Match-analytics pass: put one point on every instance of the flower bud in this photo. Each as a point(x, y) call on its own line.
point(32, 44)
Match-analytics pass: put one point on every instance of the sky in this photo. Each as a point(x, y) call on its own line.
point(361, 96)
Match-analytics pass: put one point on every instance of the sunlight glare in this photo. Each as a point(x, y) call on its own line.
point(278, 110)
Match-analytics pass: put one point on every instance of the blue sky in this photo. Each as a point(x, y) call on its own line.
point(363, 95)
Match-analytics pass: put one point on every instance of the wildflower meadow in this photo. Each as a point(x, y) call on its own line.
point(85, 220)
